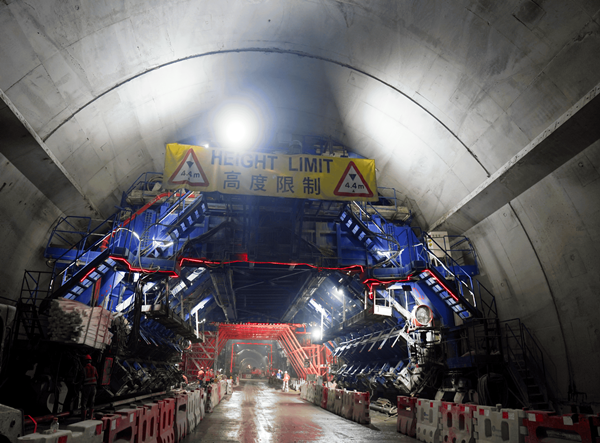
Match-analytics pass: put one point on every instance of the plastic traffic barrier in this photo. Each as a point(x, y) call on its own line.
point(61, 436)
point(147, 423)
point(457, 422)
point(192, 420)
point(181, 415)
point(407, 416)
point(200, 412)
point(310, 393)
point(361, 409)
point(119, 428)
point(229, 387)
point(348, 404)
point(166, 414)
point(303, 391)
point(331, 400)
point(324, 395)
point(91, 431)
point(339, 398)
point(213, 397)
point(222, 389)
point(428, 420)
point(492, 424)
point(543, 425)
point(318, 394)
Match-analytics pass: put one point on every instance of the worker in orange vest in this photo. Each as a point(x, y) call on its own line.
point(88, 392)
point(286, 379)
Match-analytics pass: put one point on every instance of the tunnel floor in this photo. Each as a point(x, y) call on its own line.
point(257, 412)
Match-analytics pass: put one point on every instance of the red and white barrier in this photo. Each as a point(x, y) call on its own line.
point(407, 416)
point(331, 400)
point(348, 404)
point(543, 425)
point(457, 422)
point(119, 428)
point(181, 415)
point(428, 420)
point(496, 425)
point(201, 411)
point(324, 395)
point(147, 423)
point(361, 412)
point(62, 436)
point(166, 409)
point(318, 394)
point(88, 431)
point(339, 398)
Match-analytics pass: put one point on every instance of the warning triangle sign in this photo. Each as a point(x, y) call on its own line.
point(352, 184)
point(189, 171)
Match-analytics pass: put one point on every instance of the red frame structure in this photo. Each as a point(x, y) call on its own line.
point(204, 355)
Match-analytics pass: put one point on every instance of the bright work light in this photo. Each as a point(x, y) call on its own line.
point(238, 126)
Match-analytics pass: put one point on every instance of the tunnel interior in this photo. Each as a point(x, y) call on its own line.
point(467, 267)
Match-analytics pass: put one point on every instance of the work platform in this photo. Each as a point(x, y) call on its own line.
point(258, 412)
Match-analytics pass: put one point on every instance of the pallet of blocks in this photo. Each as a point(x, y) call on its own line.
point(72, 321)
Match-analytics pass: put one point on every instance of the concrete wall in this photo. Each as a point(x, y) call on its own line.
point(26, 217)
point(540, 255)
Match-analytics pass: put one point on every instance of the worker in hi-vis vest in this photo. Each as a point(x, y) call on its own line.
point(286, 379)
point(88, 392)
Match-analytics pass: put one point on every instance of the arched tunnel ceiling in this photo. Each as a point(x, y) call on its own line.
point(441, 94)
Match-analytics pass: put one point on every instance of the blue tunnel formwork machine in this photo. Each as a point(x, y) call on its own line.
point(399, 310)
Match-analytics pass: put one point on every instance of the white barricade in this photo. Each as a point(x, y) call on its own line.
point(339, 398)
point(222, 389)
point(456, 422)
point(87, 431)
point(428, 420)
point(200, 412)
point(303, 391)
point(213, 397)
point(229, 390)
point(64, 436)
point(361, 409)
point(191, 410)
point(491, 424)
point(331, 400)
point(310, 393)
point(318, 394)
point(347, 404)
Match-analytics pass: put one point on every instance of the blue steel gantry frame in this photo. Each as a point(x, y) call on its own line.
point(217, 258)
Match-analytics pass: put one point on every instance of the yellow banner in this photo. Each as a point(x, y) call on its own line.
point(273, 175)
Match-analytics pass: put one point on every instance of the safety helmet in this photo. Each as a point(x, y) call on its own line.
point(88, 357)
point(286, 372)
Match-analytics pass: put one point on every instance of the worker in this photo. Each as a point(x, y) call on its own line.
point(279, 374)
point(286, 379)
point(88, 392)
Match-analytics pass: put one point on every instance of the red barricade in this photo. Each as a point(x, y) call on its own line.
point(119, 428)
point(457, 422)
point(147, 424)
point(181, 404)
point(166, 413)
point(324, 398)
point(595, 424)
point(407, 416)
point(361, 411)
point(543, 425)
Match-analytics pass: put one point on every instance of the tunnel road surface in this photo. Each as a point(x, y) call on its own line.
point(257, 412)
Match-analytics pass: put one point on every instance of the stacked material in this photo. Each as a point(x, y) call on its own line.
point(75, 322)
